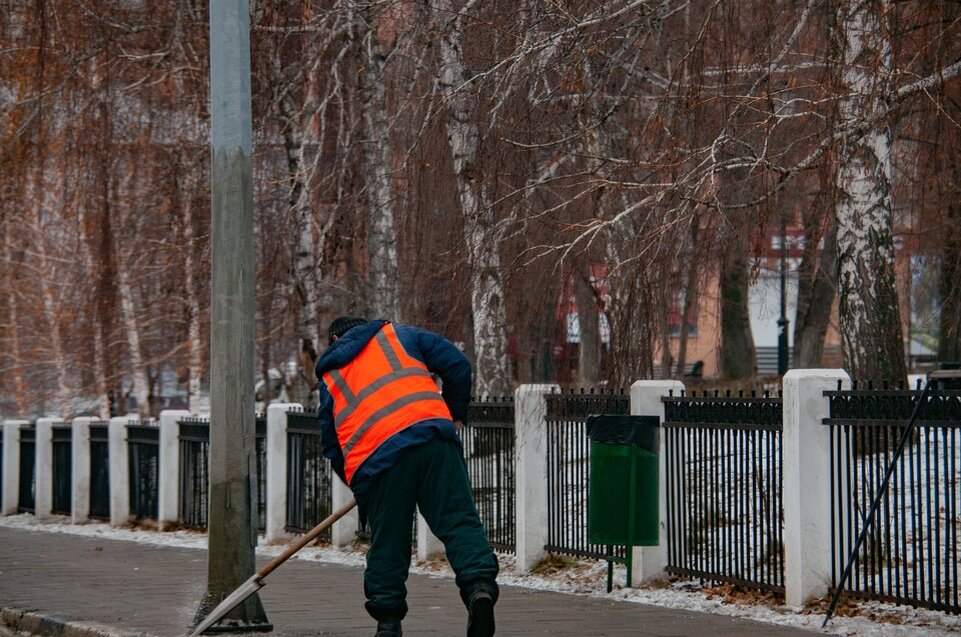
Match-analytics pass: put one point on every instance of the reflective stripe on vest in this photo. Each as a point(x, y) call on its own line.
point(380, 392)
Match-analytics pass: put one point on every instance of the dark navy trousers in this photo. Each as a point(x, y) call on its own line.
point(432, 476)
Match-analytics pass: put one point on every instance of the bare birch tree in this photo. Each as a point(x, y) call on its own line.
point(492, 150)
point(481, 234)
point(870, 307)
point(375, 45)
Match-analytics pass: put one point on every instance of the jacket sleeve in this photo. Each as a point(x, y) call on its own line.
point(444, 359)
point(328, 433)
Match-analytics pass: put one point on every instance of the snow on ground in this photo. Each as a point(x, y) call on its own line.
point(872, 619)
point(180, 539)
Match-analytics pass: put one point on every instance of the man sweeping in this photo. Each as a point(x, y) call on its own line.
point(390, 434)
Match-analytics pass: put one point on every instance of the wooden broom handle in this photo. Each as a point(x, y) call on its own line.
point(309, 537)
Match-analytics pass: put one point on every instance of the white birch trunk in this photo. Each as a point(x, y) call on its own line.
point(491, 366)
point(194, 344)
point(869, 315)
point(306, 276)
point(100, 374)
point(36, 192)
point(13, 320)
point(99, 254)
point(128, 318)
point(51, 313)
point(99, 360)
point(100, 335)
point(384, 302)
point(299, 201)
point(298, 133)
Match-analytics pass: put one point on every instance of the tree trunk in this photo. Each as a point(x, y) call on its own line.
point(37, 197)
point(52, 313)
point(304, 276)
point(194, 342)
point(870, 319)
point(100, 373)
point(381, 234)
point(589, 360)
point(37, 194)
point(632, 334)
point(815, 299)
point(492, 369)
point(15, 353)
point(738, 356)
point(128, 317)
point(690, 302)
point(949, 345)
point(667, 360)
point(383, 300)
point(105, 293)
point(99, 320)
point(96, 233)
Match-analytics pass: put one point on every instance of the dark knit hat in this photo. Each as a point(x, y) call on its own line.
point(340, 325)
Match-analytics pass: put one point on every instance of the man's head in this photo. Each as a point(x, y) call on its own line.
point(340, 325)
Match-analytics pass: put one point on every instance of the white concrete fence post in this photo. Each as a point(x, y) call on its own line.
point(428, 545)
point(344, 531)
point(530, 431)
point(80, 470)
point(10, 499)
point(168, 496)
point(119, 471)
point(277, 472)
point(806, 447)
point(649, 562)
point(43, 467)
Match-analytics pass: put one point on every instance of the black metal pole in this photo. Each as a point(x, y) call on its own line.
point(782, 322)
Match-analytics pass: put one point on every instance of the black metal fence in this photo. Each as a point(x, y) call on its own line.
point(910, 555)
point(309, 492)
point(724, 489)
point(489, 453)
point(99, 471)
point(62, 468)
point(28, 457)
point(143, 451)
point(568, 462)
point(260, 455)
point(194, 479)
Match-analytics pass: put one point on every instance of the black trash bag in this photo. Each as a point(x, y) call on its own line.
point(640, 431)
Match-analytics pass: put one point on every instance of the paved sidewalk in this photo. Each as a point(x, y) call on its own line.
point(141, 588)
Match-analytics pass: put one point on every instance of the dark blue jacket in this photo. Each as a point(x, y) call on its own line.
point(441, 358)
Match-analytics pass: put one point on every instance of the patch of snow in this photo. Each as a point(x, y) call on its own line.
point(179, 539)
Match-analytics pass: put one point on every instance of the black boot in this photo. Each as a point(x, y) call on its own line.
point(389, 628)
point(480, 619)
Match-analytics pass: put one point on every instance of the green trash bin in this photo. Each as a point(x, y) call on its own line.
point(622, 503)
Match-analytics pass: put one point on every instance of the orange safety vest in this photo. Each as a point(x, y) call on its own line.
point(380, 392)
